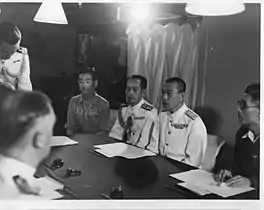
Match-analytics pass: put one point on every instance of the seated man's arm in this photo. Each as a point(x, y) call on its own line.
point(239, 161)
point(254, 181)
point(71, 126)
point(104, 117)
point(196, 145)
point(117, 131)
point(24, 81)
point(152, 130)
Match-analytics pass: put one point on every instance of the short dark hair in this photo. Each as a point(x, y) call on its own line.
point(88, 70)
point(181, 86)
point(254, 91)
point(143, 80)
point(19, 110)
point(9, 33)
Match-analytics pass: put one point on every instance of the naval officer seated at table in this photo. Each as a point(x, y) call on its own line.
point(136, 122)
point(26, 128)
point(183, 135)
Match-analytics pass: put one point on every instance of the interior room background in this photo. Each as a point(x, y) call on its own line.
point(233, 55)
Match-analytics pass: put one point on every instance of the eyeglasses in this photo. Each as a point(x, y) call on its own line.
point(242, 104)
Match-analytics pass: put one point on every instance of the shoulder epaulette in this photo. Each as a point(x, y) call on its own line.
point(147, 107)
point(191, 114)
point(22, 50)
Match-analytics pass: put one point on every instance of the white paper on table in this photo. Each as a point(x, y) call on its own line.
point(133, 152)
point(195, 176)
point(225, 191)
point(204, 181)
point(51, 194)
point(123, 150)
point(49, 183)
point(49, 187)
point(195, 188)
point(62, 141)
point(116, 146)
point(104, 153)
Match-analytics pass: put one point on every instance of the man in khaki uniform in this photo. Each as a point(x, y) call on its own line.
point(14, 60)
point(88, 112)
point(26, 128)
point(137, 121)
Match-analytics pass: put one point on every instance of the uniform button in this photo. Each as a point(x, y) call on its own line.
point(169, 132)
point(133, 134)
point(167, 144)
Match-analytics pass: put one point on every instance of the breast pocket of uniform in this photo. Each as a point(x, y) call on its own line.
point(94, 111)
point(13, 67)
point(139, 122)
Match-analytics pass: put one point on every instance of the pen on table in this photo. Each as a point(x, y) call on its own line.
point(70, 191)
point(105, 196)
point(95, 153)
point(47, 165)
point(53, 176)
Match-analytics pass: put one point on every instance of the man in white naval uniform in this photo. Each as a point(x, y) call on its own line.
point(183, 135)
point(14, 60)
point(137, 121)
point(26, 128)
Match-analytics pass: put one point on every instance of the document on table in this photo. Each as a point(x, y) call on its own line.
point(225, 191)
point(202, 182)
point(196, 189)
point(49, 187)
point(62, 141)
point(123, 150)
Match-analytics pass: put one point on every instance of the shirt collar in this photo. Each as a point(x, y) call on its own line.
point(179, 112)
point(81, 98)
point(250, 135)
point(137, 106)
point(16, 167)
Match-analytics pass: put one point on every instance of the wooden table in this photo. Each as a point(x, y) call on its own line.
point(142, 178)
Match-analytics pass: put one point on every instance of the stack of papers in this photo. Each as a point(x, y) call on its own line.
point(49, 187)
point(122, 150)
point(61, 141)
point(202, 183)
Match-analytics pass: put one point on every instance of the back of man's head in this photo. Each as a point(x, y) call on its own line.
point(253, 90)
point(19, 111)
point(9, 33)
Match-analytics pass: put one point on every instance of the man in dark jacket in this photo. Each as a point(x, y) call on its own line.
point(245, 170)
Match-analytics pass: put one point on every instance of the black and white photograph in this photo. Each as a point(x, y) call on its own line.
point(130, 104)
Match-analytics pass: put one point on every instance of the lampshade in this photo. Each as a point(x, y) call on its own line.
point(215, 7)
point(51, 11)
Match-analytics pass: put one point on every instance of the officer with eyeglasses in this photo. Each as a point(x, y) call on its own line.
point(245, 170)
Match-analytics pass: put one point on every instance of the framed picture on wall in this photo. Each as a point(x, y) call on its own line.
point(83, 46)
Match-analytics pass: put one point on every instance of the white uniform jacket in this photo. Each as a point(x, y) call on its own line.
point(183, 136)
point(144, 130)
point(10, 188)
